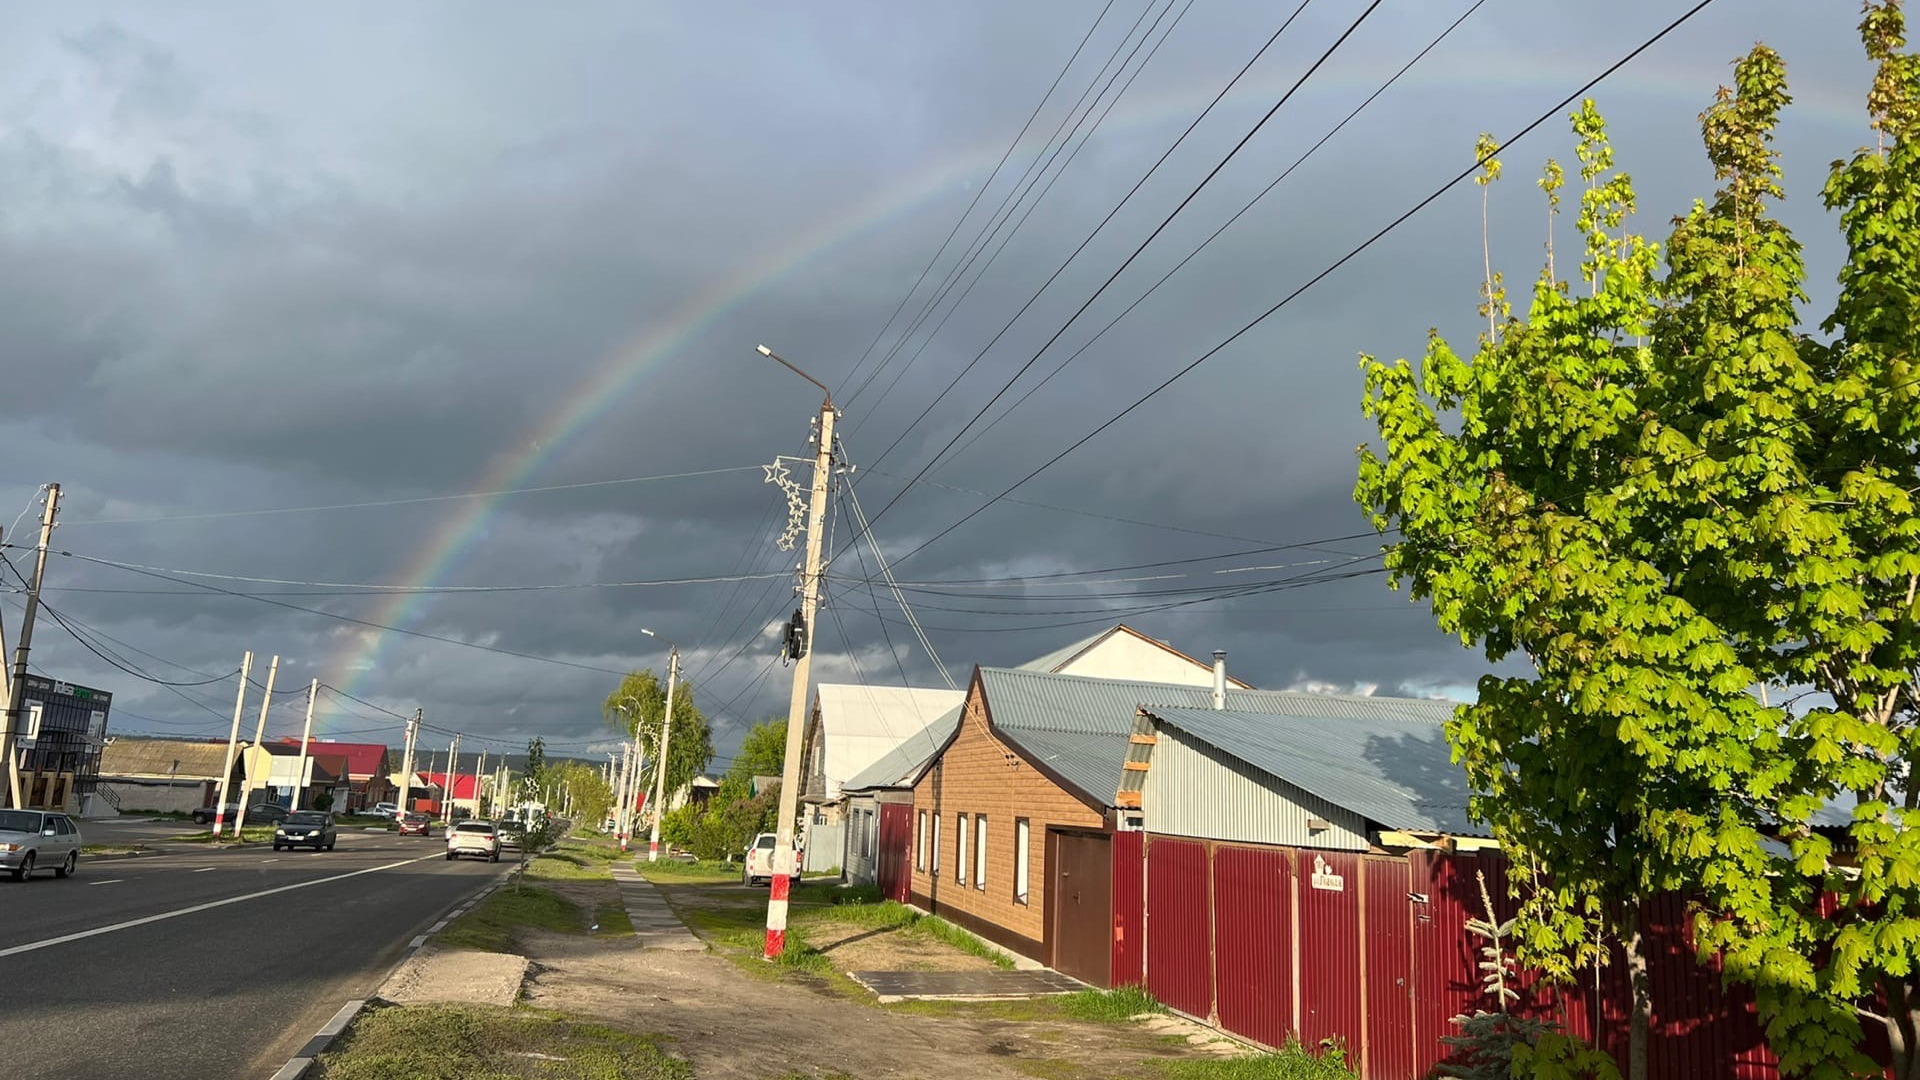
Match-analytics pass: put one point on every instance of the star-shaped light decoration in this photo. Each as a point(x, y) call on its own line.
point(777, 473)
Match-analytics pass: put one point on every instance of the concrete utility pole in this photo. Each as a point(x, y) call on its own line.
point(660, 769)
point(17, 685)
point(233, 739)
point(802, 637)
point(406, 764)
point(430, 775)
point(453, 777)
point(306, 736)
point(480, 793)
point(621, 804)
point(259, 736)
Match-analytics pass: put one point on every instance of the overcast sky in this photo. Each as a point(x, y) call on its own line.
point(272, 257)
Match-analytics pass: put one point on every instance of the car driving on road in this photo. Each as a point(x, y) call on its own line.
point(307, 828)
point(477, 838)
point(416, 824)
point(35, 840)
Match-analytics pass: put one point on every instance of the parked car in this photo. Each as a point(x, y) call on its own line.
point(258, 813)
point(474, 838)
point(416, 824)
point(759, 862)
point(35, 840)
point(308, 828)
point(383, 809)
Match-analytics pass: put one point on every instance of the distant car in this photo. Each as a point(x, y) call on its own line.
point(308, 828)
point(473, 838)
point(35, 840)
point(416, 824)
point(383, 809)
point(258, 813)
point(513, 834)
point(759, 863)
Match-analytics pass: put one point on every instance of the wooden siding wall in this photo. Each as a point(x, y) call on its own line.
point(979, 774)
point(1194, 790)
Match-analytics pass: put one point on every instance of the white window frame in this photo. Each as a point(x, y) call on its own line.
point(980, 852)
point(1022, 858)
point(960, 853)
point(920, 849)
point(933, 859)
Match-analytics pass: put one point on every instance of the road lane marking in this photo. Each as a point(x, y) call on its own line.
point(63, 939)
point(264, 862)
point(109, 881)
point(204, 869)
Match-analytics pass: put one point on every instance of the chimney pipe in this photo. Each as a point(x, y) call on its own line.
point(1219, 679)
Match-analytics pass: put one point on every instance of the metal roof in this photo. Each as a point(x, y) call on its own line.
point(156, 757)
point(1056, 659)
point(902, 765)
point(1392, 767)
point(1078, 726)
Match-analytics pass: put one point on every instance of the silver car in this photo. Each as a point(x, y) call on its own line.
point(37, 840)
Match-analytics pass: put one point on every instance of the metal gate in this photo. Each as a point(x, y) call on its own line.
point(1389, 967)
point(1178, 940)
point(1129, 908)
point(1330, 1006)
point(1253, 942)
point(824, 846)
point(893, 853)
point(1082, 897)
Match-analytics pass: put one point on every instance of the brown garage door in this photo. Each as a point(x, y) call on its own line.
point(1082, 897)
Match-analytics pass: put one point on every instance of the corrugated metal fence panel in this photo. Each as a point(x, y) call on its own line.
point(1129, 908)
point(1179, 960)
point(1389, 960)
point(1253, 942)
point(1195, 790)
point(1701, 1026)
point(825, 845)
point(1330, 956)
point(1444, 980)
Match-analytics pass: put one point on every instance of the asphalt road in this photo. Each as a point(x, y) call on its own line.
point(233, 959)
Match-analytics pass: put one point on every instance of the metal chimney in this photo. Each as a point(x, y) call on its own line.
point(1219, 679)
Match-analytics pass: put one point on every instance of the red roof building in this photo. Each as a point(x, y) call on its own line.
point(368, 767)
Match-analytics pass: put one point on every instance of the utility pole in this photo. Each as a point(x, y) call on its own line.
point(622, 805)
point(259, 736)
point(660, 769)
point(479, 793)
point(17, 686)
point(802, 639)
point(233, 739)
point(306, 736)
point(406, 764)
point(430, 776)
point(453, 777)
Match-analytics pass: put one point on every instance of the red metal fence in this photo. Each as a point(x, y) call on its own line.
point(1373, 951)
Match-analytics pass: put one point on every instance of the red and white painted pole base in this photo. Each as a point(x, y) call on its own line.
point(653, 851)
point(777, 914)
point(219, 822)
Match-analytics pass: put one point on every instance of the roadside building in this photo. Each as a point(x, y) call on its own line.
point(849, 729)
point(1121, 652)
point(879, 809)
point(458, 791)
point(371, 772)
point(63, 732)
point(162, 775)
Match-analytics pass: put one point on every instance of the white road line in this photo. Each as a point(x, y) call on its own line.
point(264, 862)
point(109, 881)
point(204, 869)
point(208, 906)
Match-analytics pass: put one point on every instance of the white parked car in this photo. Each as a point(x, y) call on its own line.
point(383, 809)
point(759, 864)
point(477, 838)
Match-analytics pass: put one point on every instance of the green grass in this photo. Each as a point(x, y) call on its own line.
point(360, 821)
point(561, 866)
point(1292, 1063)
point(111, 849)
point(861, 910)
point(252, 834)
point(613, 920)
point(948, 934)
point(489, 926)
point(1108, 1006)
point(673, 871)
point(463, 1043)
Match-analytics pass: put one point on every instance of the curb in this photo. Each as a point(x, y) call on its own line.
point(297, 1066)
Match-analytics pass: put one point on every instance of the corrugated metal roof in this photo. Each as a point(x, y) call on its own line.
point(1079, 726)
point(1053, 660)
point(156, 757)
point(901, 766)
point(1392, 767)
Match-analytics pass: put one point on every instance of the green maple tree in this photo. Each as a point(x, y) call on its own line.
point(1663, 495)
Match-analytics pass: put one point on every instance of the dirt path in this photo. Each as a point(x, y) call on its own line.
point(733, 1024)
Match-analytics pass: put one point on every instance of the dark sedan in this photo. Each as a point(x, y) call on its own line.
point(308, 828)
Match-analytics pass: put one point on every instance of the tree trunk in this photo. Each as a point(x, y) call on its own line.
point(1902, 1026)
point(1641, 986)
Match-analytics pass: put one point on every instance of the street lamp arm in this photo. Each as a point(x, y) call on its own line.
point(769, 354)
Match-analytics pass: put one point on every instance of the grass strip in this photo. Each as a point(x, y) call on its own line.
point(677, 871)
point(252, 834)
point(441, 1042)
point(613, 920)
point(1292, 1063)
point(489, 926)
point(1108, 1006)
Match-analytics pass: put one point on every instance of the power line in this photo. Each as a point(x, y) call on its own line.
point(1317, 278)
point(413, 501)
point(411, 589)
point(977, 195)
point(1264, 192)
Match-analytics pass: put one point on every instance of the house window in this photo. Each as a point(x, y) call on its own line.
point(920, 849)
point(1022, 835)
point(960, 848)
point(935, 847)
point(866, 833)
point(980, 851)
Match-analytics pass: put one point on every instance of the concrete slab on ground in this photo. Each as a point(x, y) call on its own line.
point(892, 986)
point(457, 976)
point(655, 926)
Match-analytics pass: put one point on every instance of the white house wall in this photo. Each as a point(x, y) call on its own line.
point(1123, 656)
point(1194, 790)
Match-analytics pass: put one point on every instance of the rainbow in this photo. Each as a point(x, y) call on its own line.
point(622, 371)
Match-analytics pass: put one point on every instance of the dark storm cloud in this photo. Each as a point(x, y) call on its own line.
point(269, 260)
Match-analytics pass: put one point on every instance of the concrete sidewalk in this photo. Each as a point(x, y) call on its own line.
point(654, 923)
